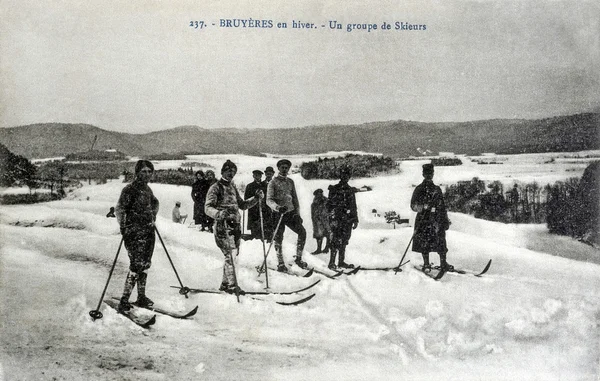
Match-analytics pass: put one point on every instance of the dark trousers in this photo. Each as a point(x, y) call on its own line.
point(294, 222)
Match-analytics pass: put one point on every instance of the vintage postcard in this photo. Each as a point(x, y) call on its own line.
point(299, 190)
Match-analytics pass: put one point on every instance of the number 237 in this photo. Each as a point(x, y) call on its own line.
point(197, 24)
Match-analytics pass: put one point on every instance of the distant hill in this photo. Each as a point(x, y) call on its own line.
point(393, 138)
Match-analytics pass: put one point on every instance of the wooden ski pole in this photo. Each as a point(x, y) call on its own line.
point(262, 238)
point(96, 314)
point(264, 265)
point(183, 290)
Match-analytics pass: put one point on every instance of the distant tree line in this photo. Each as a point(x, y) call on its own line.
point(569, 207)
point(573, 206)
point(95, 155)
point(165, 156)
point(15, 169)
point(362, 166)
point(446, 161)
point(523, 203)
point(179, 176)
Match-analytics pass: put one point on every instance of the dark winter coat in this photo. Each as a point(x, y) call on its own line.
point(320, 217)
point(432, 221)
point(253, 212)
point(199, 191)
point(341, 206)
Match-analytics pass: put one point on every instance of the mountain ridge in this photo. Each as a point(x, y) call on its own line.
point(397, 138)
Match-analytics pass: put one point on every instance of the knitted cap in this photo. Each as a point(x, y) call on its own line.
point(228, 165)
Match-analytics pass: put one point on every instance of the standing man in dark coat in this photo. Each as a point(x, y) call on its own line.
point(268, 224)
point(209, 179)
point(343, 217)
point(431, 222)
point(136, 213)
point(253, 212)
point(196, 197)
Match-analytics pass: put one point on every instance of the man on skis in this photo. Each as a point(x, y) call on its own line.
point(268, 226)
point(343, 217)
point(136, 213)
point(223, 203)
point(283, 201)
point(431, 222)
point(254, 219)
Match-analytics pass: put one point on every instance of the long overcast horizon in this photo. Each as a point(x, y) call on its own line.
point(142, 66)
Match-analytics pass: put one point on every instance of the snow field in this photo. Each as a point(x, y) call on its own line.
point(532, 317)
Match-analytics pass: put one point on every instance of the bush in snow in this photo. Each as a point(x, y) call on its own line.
point(362, 166)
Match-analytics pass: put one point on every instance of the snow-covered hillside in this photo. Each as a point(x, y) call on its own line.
point(533, 316)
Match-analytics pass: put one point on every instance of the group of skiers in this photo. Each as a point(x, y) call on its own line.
point(273, 205)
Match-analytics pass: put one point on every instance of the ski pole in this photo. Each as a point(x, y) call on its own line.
point(235, 282)
point(183, 290)
point(264, 265)
point(405, 251)
point(262, 236)
point(96, 314)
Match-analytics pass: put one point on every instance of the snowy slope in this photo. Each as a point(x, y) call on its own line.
point(534, 316)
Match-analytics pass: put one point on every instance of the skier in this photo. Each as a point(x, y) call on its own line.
point(223, 203)
point(253, 212)
point(268, 226)
point(283, 201)
point(198, 201)
point(343, 217)
point(431, 222)
point(136, 213)
point(320, 220)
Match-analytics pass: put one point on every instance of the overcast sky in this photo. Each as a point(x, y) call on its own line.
point(138, 66)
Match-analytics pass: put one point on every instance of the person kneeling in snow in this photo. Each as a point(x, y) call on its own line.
point(223, 203)
point(136, 213)
point(176, 214)
point(431, 222)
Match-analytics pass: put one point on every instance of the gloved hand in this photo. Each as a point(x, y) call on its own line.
point(122, 228)
point(355, 225)
point(260, 194)
point(282, 209)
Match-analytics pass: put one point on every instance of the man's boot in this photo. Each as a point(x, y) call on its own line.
point(281, 266)
point(445, 266)
point(319, 243)
point(332, 254)
point(326, 249)
point(426, 265)
point(143, 300)
point(299, 262)
point(130, 281)
point(341, 258)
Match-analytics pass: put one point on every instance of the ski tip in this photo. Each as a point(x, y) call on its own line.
point(299, 301)
point(149, 322)
point(487, 267)
point(439, 275)
point(192, 312)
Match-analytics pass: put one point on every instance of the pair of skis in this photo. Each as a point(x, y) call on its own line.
point(256, 294)
point(441, 272)
point(144, 321)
